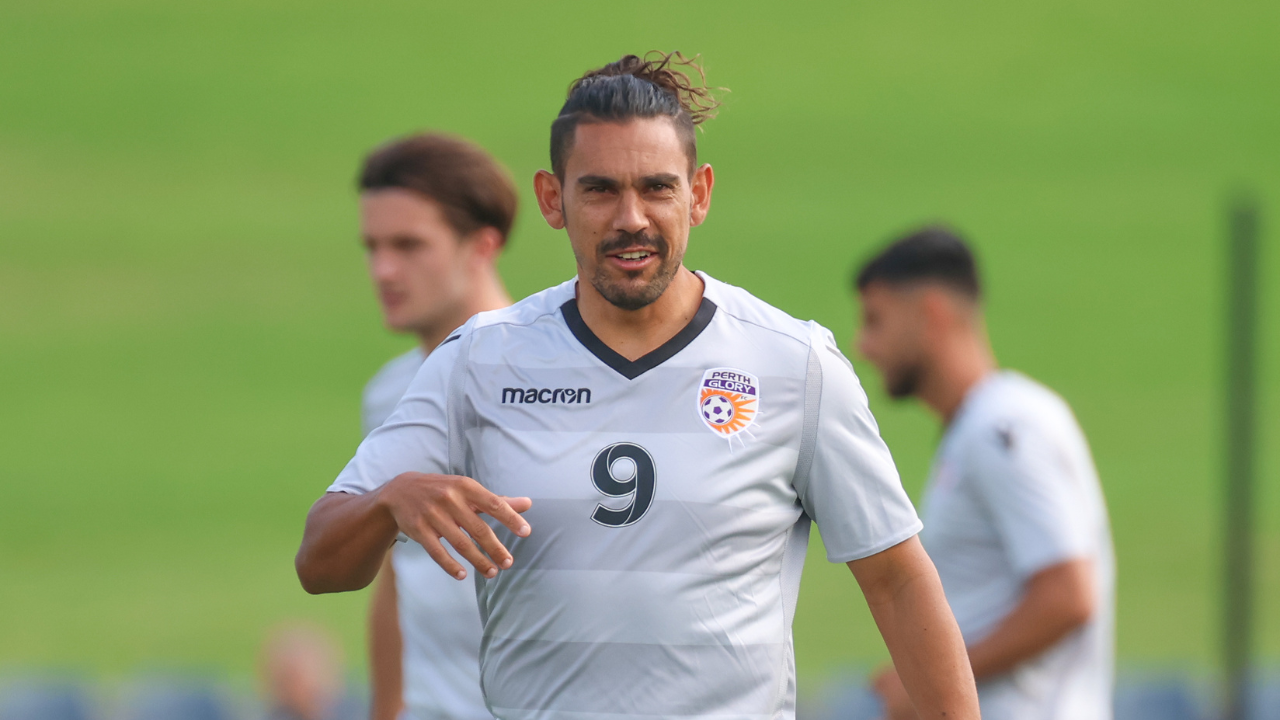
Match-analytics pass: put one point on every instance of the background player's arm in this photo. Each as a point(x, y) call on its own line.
point(385, 648)
point(1036, 500)
point(347, 536)
point(1057, 600)
point(906, 599)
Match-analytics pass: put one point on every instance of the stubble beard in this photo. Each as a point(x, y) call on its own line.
point(627, 296)
point(904, 383)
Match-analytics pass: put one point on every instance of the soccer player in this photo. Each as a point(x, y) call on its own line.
point(667, 438)
point(1014, 516)
point(435, 212)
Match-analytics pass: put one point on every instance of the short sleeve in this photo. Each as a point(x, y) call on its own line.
point(415, 438)
point(1039, 506)
point(846, 478)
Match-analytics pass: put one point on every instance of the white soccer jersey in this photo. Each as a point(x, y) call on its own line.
point(439, 619)
point(1012, 492)
point(672, 497)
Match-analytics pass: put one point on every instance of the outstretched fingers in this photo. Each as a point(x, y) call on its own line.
point(503, 509)
point(437, 551)
point(448, 524)
point(483, 536)
point(435, 508)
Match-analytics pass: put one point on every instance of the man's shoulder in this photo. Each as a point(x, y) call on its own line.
point(1015, 396)
point(397, 371)
point(386, 387)
point(526, 312)
point(1014, 409)
point(746, 308)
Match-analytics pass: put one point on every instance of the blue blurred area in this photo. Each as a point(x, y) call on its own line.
point(1145, 696)
point(152, 699)
point(159, 701)
point(1156, 699)
point(1138, 697)
point(44, 701)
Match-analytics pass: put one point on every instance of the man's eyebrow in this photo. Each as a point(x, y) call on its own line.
point(671, 179)
point(597, 181)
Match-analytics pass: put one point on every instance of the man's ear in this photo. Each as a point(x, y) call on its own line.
point(486, 244)
point(703, 180)
point(546, 187)
point(940, 306)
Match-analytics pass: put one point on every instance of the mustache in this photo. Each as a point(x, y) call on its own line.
point(624, 240)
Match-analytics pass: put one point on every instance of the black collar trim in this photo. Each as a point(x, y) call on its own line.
point(634, 369)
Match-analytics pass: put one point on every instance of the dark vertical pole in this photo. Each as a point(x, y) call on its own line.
point(1242, 312)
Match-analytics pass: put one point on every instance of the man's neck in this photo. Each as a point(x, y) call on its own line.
point(490, 295)
point(636, 333)
point(955, 371)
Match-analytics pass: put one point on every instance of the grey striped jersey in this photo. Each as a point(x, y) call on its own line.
point(672, 498)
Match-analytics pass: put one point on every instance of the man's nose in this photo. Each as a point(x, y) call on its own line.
point(382, 265)
point(630, 215)
point(860, 342)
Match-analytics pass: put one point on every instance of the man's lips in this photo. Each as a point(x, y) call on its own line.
point(633, 258)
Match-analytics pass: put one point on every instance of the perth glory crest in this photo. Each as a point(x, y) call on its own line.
point(728, 400)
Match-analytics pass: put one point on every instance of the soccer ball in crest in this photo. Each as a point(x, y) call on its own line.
point(717, 410)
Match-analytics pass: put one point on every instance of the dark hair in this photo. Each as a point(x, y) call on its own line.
point(636, 87)
point(930, 254)
point(472, 189)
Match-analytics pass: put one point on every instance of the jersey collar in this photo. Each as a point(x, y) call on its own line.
point(632, 369)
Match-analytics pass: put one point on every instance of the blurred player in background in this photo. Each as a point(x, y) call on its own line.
point(301, 671)
point(657, 571)
point(1014, 515)
point(435, 212)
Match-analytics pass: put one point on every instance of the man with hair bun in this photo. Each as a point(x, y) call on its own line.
point(1014, 515)
point(435, 214)
point(649, 446)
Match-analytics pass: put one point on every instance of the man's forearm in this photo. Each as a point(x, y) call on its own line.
point(345, 539)
point(1056, 601)
point(909, 607)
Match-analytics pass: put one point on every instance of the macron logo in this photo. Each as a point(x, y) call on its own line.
point(557, 396)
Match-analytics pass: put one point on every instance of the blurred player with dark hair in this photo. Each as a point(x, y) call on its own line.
point(435, 213)
point(1014, 515)
point(669, 438)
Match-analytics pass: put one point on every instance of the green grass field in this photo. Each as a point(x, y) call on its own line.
point(185, 323)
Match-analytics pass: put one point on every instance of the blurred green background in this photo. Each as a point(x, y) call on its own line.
point(185, 320)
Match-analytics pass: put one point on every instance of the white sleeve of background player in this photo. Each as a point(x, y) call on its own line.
point(368, 421)
point(851, 488)
point(1039, 506)
point(416, 436)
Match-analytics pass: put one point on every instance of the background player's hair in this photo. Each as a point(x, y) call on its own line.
point(930, 254)
point(636, 87)
point(472, 188)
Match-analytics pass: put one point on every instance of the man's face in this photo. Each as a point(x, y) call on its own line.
point(627, 201)
point(892, 335)
point(417, 261)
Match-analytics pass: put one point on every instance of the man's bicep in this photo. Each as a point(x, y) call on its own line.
point(852, 489)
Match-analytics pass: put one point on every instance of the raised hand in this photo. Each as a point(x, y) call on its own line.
point(429, 507)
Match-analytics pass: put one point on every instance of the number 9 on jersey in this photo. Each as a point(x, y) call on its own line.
point(623, 470)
